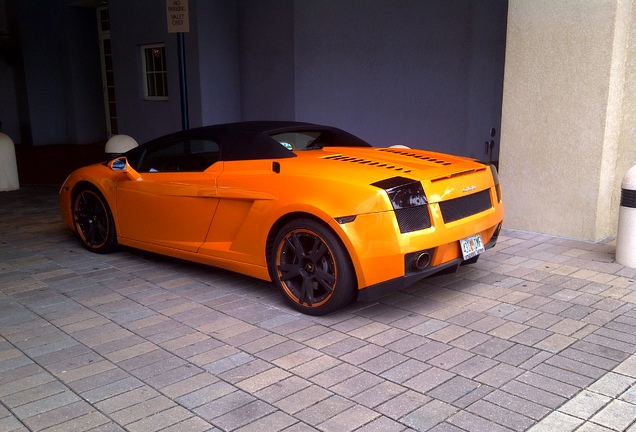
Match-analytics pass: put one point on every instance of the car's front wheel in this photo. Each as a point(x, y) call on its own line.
point(312, 268)
point(94, 220)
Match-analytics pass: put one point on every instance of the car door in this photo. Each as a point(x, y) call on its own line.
point(173, 201)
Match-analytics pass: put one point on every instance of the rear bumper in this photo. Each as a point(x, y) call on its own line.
point(374, 292)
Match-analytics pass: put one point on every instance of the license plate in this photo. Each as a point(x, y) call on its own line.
point(472, 246)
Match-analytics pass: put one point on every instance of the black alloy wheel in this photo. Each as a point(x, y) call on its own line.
point(94, 220)
point(312, 268)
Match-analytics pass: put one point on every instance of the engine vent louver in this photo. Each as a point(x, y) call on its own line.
point(460, 208)
point(405, 152)
point(369, 162)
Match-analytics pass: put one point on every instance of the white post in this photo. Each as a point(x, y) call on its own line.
point(118, 144)
point(626, 236)
point(8, 165)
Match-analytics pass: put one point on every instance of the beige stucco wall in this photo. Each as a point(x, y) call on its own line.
point(568, 134)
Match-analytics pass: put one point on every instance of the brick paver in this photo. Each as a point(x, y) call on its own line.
point(539, 335)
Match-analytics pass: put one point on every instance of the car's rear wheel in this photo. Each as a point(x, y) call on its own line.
point(312, 268)
point(94, 220)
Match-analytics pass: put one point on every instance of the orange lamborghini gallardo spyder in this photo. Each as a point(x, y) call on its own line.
point(321, 213)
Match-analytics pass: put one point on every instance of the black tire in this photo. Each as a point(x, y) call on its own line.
point(93, 220)
point(312, 268)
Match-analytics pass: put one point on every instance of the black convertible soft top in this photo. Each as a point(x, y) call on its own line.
point(253, 139)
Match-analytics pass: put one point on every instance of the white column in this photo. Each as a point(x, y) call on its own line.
point(567, 134)
point(8, 165)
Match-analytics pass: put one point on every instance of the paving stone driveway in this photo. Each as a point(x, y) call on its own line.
point(538, 335)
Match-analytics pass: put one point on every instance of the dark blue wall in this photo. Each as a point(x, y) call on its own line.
point(215, 79)
point(421, 73)
point(62, 72)
point(212, 65)
point(133, 24)
point(82, 82)
point(268, 72)
point(425, 73)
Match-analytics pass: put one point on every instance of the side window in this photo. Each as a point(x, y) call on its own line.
point(201, 154)
point(186, 155)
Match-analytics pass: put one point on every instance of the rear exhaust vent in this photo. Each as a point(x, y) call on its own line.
point(369, 162)
point(416, 156)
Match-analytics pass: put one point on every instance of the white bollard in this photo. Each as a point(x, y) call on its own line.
point(118, 144)
point(8, 164)
point(626, 236)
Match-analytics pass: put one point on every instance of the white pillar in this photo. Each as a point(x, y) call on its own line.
point(568, 116)
point(626, 237)
point(8, 165)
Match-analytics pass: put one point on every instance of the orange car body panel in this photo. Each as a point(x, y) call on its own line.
point(224, 215)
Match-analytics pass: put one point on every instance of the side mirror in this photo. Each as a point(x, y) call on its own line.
point(121, 164)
